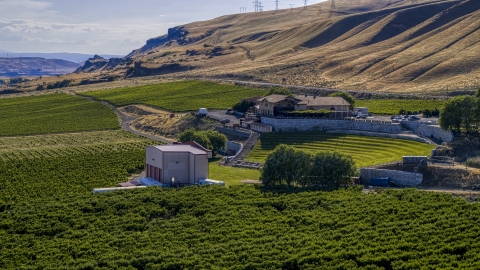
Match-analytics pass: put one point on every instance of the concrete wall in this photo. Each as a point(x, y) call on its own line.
point(324, 124)
point(399, 177)
point(176, 165)
point(429, 130)
point(436, 132)
point(154, 157)
point(201, 168)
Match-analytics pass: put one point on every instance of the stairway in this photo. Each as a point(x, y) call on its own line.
point(247, 147)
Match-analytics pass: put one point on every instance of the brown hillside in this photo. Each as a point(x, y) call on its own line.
point(390, 45)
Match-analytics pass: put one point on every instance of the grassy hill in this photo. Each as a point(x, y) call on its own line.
point(389, 45)
point(365, 151)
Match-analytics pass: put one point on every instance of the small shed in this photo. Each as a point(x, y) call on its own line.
point(177, 164)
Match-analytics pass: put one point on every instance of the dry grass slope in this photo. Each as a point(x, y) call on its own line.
point(387, 46)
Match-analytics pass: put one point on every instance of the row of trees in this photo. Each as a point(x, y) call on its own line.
point(287, 166)
point(462, 112)
point(212, 140)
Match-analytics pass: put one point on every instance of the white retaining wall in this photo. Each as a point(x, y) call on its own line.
point(399, 177)
point(324, 124)
point(436, 132)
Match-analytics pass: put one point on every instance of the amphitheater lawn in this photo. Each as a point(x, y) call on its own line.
point(178, 96)
point(55, 113)
point(393, 106)
point(365, 150)
point(231, 175)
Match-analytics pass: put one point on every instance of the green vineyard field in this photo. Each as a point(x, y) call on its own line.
point(241, 228)
point(366, 151)
point(178, 96)
point(393, 106)
point(55, 113)
point(46, 166)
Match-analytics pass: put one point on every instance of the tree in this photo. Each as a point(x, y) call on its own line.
point(243, 106)
point(279, 91)
point(202, 139)
point(347, 96)
point(460, 112)
point(187, 135)
point(217, 139)
point(331, 169)
point(284, 165)
point(477, 94)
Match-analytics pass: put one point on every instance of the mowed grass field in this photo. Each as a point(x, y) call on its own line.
point(393, 106)
point(178, 96)
point(365, 151)
point(230, 175)
point(56, 113)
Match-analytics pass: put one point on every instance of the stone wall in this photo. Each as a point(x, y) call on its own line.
point(436, 132)
point(237, 147)
point(233, 132)
point(399, 177)
point(413, 159)
point(324, 124)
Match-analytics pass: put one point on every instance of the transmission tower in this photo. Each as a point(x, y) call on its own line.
point(305, 4)
point(260, 8)
point(291, 7)
point(276, 4)
point(256, 5)
point(243, 10)
point(333, 5)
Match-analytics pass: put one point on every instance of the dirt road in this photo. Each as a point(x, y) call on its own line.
point(126, 121)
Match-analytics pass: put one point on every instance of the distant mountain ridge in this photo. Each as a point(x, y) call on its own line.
point(35, 66)
point(72, 57)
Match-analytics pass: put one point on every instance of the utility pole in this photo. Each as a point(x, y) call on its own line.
point(276, 4)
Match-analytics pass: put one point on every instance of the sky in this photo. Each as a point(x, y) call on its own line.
point(105, 26)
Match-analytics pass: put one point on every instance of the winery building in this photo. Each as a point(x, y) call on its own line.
point(177, 164)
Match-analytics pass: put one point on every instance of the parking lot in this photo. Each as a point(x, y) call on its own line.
point(220, 115)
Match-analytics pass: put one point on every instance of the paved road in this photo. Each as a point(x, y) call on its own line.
point(323, 89)
point(127, 120)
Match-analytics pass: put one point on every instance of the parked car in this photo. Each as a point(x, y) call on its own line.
point(225, 121)
point(414, 118)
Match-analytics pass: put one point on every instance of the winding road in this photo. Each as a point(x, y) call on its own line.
point(126, 121)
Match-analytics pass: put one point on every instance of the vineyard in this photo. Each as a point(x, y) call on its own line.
point(366, 151)
point(178, 96)
point(53, 114)
point(241, 228)
point(393, 106)
point(45, 166)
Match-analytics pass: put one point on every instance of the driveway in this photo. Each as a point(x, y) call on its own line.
point(220, 115)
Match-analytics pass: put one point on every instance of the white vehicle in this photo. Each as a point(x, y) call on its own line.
point(207, 182)
point(203, 111)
